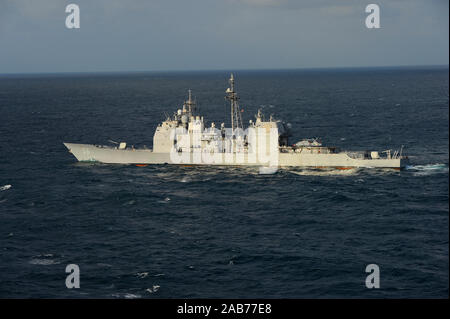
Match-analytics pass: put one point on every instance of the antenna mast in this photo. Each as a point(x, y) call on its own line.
point(236, 118)
point(190, 103)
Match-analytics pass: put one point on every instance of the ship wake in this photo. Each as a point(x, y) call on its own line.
point(428, 169)
point(326, 172)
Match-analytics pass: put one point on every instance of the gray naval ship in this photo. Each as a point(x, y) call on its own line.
point(185, 139)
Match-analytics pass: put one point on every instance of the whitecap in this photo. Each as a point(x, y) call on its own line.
point(43, 262)
point(155, 288)
point(142, 274)
point(131, 296)
point(165, 200)
point(43, 259)
point(5, 187)
point(127, 296)
point(268, 170)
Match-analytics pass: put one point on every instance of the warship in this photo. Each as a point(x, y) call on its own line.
point(185, 139)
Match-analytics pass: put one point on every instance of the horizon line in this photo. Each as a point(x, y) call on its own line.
point(421, 66)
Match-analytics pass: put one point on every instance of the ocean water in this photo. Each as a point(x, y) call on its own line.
point(191, 232)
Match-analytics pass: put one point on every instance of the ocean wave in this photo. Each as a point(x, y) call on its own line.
point(5, 187)
point(155, 288)
point(43, 262)
point(267, 170)
point(165, 201)
point(127, 296)
point(428, 169)
point(326, 172)
point(185, 179)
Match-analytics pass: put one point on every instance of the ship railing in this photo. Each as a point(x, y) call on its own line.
point(388, 154)
point(397, 154)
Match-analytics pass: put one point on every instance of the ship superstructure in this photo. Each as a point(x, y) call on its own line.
point(184, 138)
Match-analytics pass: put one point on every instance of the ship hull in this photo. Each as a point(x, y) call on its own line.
point(93, 153)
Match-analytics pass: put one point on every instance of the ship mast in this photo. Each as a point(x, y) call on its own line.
point(236, 118)
point(190, 103)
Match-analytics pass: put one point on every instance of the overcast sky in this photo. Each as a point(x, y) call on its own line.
point(146, 35)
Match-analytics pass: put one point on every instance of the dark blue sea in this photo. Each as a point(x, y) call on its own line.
point(190, 232)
